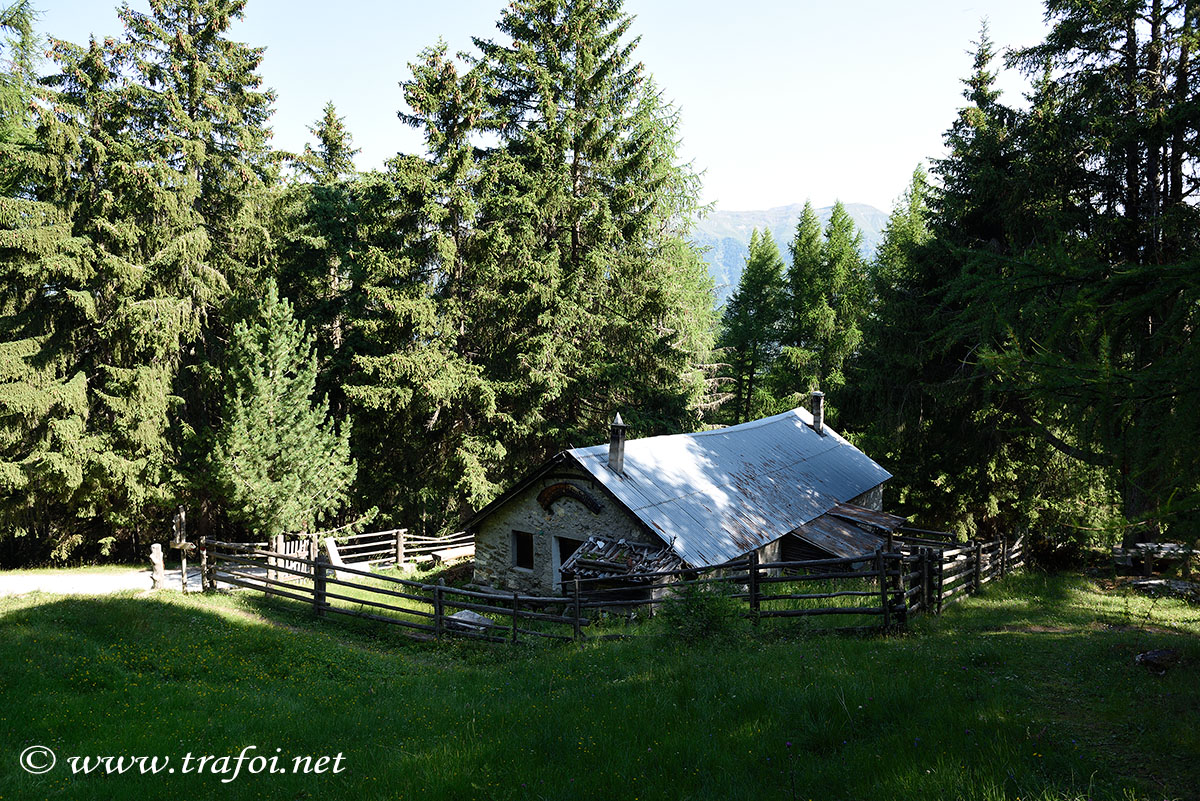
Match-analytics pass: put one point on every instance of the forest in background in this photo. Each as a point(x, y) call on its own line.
point(278, 342)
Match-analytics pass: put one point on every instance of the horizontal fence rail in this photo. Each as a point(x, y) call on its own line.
point(887, 588)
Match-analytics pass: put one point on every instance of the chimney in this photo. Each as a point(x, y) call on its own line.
point(818, 411)
point(616, 445)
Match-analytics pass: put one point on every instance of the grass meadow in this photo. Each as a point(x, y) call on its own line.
point(1028, 691)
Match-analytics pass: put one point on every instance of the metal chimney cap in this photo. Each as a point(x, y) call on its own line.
point(617, 421)
point(816, 393)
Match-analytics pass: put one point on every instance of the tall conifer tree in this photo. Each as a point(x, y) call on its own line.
point(279, 463)
point(751, 325)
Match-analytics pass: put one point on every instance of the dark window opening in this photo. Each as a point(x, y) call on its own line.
point(522, 549)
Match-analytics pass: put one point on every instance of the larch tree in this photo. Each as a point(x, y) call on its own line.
point(1091, 319)
point(750, 328)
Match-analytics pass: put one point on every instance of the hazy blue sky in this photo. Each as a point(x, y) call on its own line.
point(780, 101)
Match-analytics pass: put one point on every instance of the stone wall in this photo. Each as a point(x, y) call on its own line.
point(568, 517)
point(871, 499)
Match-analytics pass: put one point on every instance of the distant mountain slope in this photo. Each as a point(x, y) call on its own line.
point(725, 236)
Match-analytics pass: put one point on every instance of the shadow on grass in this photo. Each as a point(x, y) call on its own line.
point(980, 704)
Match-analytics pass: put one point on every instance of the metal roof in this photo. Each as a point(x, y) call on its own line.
point(868, 518)
point(714, 495)
point(839, 537)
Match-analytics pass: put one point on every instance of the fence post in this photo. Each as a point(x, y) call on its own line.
point(400, 546)
point(978, 566)
point(925, 580)
point(313, 549)
point(516, 614)
point(437, 609)
point(883, 589)
point(578, 630)
point(203, 564)
point(752, 566)
point(941, 579)
point(319, 600)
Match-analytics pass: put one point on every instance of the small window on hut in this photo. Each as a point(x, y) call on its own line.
point(522, 549)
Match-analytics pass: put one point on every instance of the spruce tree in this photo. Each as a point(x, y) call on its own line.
point(827, 300)
point(17, 57)
point(122, 140)
point(202, 117)
point(279, 463)
point(315, 247)
point(587, 146)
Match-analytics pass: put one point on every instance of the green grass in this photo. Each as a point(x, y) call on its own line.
point(1028, 691)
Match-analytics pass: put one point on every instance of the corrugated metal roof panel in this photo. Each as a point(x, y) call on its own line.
point(714, 495)
point(869, 517)
point(839, 537)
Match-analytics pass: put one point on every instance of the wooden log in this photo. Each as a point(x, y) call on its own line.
point(501, 606)
point(578, 632)
point(362, 557)
point(516, 610)
point(926, 578)
point(841, 560)
point(319, 600)
point(546, 634)
point(941, 566)
point(978, 566)
point(883, 598)
point(332, 578)
point(819, 595)
point(459, 631)
point(374, 604)
point(834, 610)
point(395, 621)
point(753, 585)
point(437, 609)
point(233, 560)
point(450, 554)
point(203, 566)
point(269, 589)
point(400, 546)
point(857, 574)
point(371, 548)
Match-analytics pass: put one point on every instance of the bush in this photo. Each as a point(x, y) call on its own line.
point(702, 611)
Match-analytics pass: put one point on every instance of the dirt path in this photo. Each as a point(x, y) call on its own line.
point(68, 582)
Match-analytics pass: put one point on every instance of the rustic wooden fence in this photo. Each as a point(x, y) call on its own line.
point(391, 547)
point(429, 609)
point(916, 576)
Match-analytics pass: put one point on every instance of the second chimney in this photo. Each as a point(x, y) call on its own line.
point(818, 411)
point(616, 445)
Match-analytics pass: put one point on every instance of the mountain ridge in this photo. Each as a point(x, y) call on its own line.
point(724, 236)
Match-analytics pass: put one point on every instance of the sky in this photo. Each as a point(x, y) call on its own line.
point(780, 101)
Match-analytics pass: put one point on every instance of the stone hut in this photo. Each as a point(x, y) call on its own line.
point(787, 487)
